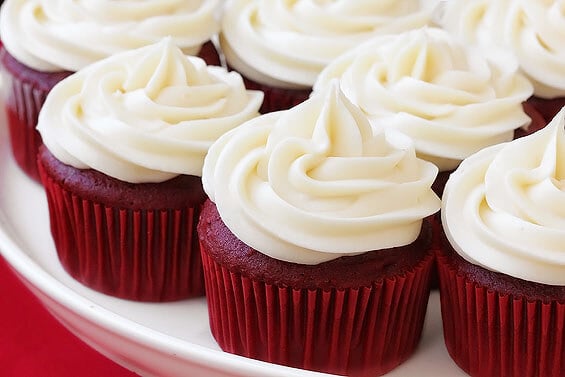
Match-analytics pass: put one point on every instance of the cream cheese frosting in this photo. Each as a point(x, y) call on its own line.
point(533, 31)
point(504, 207)
point(145, 115)
point(287, 43)
point(445, 95)
point(57, 35)
point(316, 182)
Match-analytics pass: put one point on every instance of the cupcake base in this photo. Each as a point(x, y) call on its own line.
point(25, 90)
point(497, 325)
point(359, 315)
point(133, 241)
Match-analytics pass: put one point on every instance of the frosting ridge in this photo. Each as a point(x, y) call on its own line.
point(57, 35)
point(531, 30)
point(428, 85)
point(144, 115)
point(503, 208)
point(286, 44)
point(315, 182)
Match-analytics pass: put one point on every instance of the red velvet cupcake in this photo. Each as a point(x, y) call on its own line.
point(444, 94)
point(328, 317)
point(313, 247)
point(502, 265)
point(134, 241)
point(43, 45)
point(281, 47)
point(124, 143)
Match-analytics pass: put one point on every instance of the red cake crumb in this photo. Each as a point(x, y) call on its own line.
point(344, 272)
point(178, 192)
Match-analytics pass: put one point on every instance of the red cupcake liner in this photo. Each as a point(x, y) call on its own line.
point(491, 334)
point(25, 90)
point(437, 234)
point(142, 255)
point(364, 331)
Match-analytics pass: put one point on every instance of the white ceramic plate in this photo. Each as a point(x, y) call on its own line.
point(169, 339)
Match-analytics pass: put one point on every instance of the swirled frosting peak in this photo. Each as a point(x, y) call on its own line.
point(504, 207)
point(287, 43)
point(532, 30)
point(315, 182)
point(442, 93)
point(144, 115)
point(57, 35)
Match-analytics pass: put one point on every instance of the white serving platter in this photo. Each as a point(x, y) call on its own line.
point(164, 339)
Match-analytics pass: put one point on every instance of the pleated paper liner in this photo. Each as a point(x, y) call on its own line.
point(24, 92)
point(142, 255)
point(488, 333)
point(365, 331)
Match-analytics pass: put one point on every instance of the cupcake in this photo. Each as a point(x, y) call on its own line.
point(280, 47)
point(445, 95)
point(124, 141)
point(502, 267)
point(531, 30)
point(315, 240)
point(45, 41)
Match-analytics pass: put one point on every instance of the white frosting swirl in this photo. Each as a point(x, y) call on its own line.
point(287, 43)
point(144, 115)
point(313, 183)
point(445, 95)
point(504, 207)
point(57, 35)
point(534, 31)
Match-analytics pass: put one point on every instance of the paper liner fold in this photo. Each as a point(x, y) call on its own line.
point(492, 334)
point(364, 331)
point(24, 91)
point(143, 255)
point(23, 101)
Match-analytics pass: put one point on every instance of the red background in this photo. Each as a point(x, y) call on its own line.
point(33, 343)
